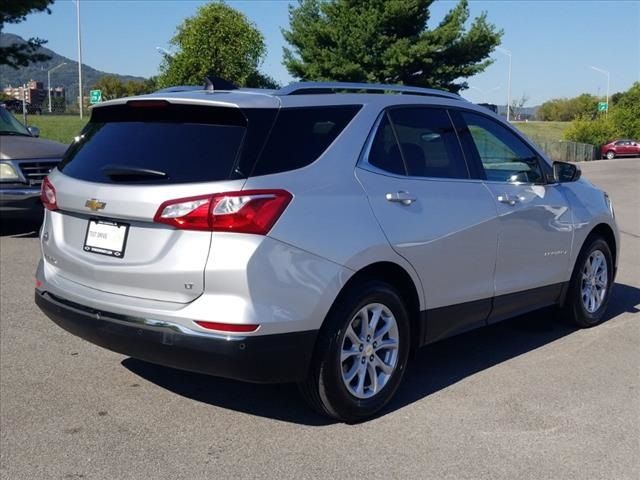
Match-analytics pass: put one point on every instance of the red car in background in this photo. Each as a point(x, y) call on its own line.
point(620, 148)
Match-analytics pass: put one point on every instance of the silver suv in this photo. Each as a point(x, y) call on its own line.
point(313, 234)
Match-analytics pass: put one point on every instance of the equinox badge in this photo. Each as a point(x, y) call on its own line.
point(94, 205)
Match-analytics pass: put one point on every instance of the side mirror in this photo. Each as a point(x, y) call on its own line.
point(34, 131)
point(566, 172)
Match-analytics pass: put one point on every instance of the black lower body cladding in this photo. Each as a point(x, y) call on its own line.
point(259, 359)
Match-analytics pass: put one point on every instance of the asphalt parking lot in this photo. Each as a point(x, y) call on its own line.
point(529, 398)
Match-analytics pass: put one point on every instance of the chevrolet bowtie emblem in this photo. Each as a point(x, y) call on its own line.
point(94, 205)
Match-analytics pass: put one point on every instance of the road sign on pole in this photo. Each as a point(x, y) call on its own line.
point(95, 96)
point(603, 106)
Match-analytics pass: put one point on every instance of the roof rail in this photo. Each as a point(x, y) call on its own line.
point(306, 88)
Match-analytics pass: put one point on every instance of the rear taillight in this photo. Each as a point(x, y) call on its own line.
point(48, 195)
point(249, 211)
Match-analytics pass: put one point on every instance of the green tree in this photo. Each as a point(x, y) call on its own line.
point(583, 105)
point(623, 121)
point(261, 80)
point(111, 87)
point(217, 41)
point(18, 55)
point(566, 109)
point(151, 84)
point(58, 104)
point(387, 41)
point(626, 114)
point(594, 131)
point(133, 87)
point(615, 98)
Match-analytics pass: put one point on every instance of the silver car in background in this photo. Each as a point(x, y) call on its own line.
point(313, 234)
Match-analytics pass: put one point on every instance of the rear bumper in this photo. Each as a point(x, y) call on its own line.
point(261, 359)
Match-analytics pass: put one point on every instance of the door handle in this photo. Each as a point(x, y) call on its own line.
point(405, 198)
point(509, 199)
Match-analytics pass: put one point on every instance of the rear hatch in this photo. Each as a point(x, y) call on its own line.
point(128, 161)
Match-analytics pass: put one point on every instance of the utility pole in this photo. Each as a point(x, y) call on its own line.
point(24, 103)
point(79, 57)
point(604, 72)
point(508, 53)
point(49, 81)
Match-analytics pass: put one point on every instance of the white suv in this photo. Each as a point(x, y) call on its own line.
point(317, 233)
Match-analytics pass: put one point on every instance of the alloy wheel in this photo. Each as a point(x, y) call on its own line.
point(595, 280)
point(369, 353)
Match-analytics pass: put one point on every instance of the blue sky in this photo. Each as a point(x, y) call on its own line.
point(552, 42)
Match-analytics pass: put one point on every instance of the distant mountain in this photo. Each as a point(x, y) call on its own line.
point(66, 76)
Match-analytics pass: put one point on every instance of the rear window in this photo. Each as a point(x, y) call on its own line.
point(166, 143)
point(300, 135)
point(184, 143)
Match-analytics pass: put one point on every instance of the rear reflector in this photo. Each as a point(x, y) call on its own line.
point(48, 195)
point(38, 283)
point(227, 327)
point(248, 211)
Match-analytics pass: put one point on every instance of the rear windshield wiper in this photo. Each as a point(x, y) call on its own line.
point(126, 172)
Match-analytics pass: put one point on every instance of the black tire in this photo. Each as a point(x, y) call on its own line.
point(324, 389)
point(574, 309)
point(611, 155)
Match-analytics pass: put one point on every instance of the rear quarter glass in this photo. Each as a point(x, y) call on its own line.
point(300, 135)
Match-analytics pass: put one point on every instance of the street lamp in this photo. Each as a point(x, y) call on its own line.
point(484, 92)
point(164, 52)
point(49, 81)
point(77, 2)
point(604, 72)
point(508, 53)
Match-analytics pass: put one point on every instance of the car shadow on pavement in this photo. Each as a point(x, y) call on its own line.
point(27, 228)
point(434, 367)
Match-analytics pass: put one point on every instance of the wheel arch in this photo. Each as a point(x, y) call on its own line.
point(606, 232)
point(399, 278)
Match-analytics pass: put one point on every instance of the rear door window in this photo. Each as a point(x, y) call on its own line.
point(428, 142)
point(300, 135)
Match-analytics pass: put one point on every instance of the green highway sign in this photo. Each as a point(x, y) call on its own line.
point(95, 96)
point(603, 106)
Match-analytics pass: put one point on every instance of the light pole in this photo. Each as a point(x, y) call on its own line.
point(77, 2)
point(508, 53)
point(49, 81)
point(24, 103)
point(164, 52)
point(604, 72)
point(484, 92)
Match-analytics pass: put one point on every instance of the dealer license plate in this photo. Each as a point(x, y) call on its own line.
point(106, 237)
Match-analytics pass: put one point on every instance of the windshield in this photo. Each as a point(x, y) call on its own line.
point(9, 125)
